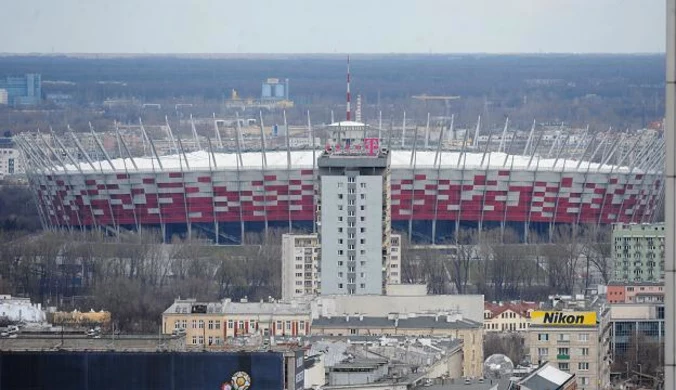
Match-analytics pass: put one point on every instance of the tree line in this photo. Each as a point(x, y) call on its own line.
point(496, 264)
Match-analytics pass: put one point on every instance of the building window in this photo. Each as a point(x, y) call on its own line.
point(564, 367)
point(543, 351)
point(362, 230)
point(210, 324)
point(563, 338)
point(210, 340)
point(288, 325)
point(279, 325)
point(340, 285)
point(583, 366)
point(252, 325)
point(194, 340)
point(362, 285)
point(340, 196)
point(362, 207)
point(340, 252)
point(584, 380)
point(353, 331)
point(200, 340)
point(362, 185)
point(230, 324)
point(340, 230)
point(217, 324)
point(194, 324)
point(201, 324)
point(241, 325)
point(340, 241)
point(543, 336)
point(584, 337)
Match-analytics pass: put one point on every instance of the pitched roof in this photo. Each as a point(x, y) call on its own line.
point(520, 308)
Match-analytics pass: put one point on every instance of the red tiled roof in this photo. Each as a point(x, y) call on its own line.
point(520, 308)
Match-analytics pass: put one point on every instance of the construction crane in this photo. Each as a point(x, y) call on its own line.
point(446, 99)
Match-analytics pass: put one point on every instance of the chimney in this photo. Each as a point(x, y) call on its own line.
point(361, 317)
point(396, 322)
point(347, 318)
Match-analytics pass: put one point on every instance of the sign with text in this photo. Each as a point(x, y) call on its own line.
point(563, 318)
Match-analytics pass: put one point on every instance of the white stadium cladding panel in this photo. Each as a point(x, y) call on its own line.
point(219, 197)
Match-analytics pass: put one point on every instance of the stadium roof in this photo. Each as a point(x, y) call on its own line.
point(201, 160)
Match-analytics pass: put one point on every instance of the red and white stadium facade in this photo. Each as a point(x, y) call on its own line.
point(224, 195)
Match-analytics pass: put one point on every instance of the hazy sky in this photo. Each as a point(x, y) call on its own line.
point(328, 26)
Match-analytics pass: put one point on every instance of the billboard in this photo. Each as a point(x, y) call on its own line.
point(141, 371)
point(563, 318)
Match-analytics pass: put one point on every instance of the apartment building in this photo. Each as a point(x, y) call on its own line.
point(445, 325)
point(508, 316)
point(301, 265)
point(638, 252)
point(354, 212)
point(576, 342)
point(211, 324)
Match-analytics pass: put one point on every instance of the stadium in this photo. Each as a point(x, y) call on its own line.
point(222, 194)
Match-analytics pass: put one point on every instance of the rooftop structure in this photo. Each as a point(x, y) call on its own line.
point(449, 325)
point(548, 377)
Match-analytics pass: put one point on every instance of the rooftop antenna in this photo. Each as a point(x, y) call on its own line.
point(348, 90)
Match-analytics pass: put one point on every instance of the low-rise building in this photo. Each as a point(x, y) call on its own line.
point(451, 325)
point(646, 292)
point(548, 377)
point(401, 299)
point(573, 341)
point(634, 326)
point(358, 362)
point(14, 309)
point(508, 316)
point(213, 323)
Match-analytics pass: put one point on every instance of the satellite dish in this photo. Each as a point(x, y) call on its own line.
point(498, 366)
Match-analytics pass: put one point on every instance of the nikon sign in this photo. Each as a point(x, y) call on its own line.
point(563, 318)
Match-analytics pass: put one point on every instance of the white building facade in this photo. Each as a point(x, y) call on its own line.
point(354, 213)
point(300, 265)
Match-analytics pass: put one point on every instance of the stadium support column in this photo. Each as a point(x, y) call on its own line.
point(437, 159)
point(461, 156)
point(413, 163)
point(670, 204)
point(264, 165)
